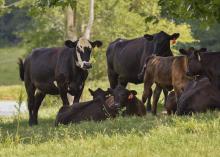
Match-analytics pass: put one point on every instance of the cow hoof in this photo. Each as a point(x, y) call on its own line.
point(32, 123)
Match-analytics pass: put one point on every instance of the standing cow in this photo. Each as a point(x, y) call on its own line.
point(56, 71)
point(125, 58)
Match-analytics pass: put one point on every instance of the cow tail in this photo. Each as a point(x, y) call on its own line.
point(21, 69)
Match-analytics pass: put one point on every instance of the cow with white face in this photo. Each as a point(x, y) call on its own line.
point(83, 51)
point(55, 71)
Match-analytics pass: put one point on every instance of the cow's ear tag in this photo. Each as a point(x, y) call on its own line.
point(173, 41)
point(131, 96)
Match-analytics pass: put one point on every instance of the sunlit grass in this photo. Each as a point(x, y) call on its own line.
point(198, 135)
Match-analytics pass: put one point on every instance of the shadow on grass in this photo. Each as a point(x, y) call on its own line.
point(122, 126)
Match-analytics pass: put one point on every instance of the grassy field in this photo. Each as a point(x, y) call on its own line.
point(8, 65)
point(149, 136)
point(161, 136)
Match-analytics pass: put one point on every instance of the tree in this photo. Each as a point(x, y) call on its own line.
point(70, 21)
point(91, 19)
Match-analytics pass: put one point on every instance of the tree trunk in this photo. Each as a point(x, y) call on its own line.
point(71, 23)
point(91, 19)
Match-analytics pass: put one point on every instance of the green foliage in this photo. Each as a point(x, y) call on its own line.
point(208, 37)
point(10, 25)
point(46, 30)
point(206, 11)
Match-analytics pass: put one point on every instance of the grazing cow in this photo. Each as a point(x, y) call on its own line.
point(198, 96)
point(98, 109)
point(166, 72)
point(171, 103)
point(206, 63)
point(127, 98)
point(56, 71)
point(125, 58)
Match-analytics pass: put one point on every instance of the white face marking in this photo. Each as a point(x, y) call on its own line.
point(81, 44)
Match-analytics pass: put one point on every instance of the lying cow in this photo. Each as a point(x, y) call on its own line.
point(202, 62)
point(170, 104)
point(166, 72)
point(199, 96)
point(98, 109)
point(56, 71)
point(127, 98)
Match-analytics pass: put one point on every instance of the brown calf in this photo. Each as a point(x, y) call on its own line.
point(166, 72)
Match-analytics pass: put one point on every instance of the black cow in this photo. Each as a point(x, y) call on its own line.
point(198, 96)
point(125, 58)
point(205, 63)
point(98, 109)
point(127, 98)
point(56, 71)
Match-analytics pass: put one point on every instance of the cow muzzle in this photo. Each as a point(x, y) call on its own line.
point(86, 65)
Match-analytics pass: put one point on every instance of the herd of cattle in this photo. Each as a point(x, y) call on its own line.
point(194, 76)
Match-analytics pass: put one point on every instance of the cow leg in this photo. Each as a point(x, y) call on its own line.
point(149, 101)
point(122, 82)
point(78, 95)
point(30, 89)
point(38, 100)
point(165, 92)
point(113, 78)
point(147, 93)
point(156, 97)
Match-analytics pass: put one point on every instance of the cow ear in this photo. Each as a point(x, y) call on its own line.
point(149, 37)
point(110, 90)
point(71, 44)
point(174, 36)
point(203, 50)
point(134, 92)
point(96, 43)
point(183, 52)
point(91, 91)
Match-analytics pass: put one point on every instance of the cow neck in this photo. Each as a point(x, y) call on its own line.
point(108, 102)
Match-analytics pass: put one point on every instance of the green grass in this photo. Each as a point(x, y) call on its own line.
point(198, 135)
point(150, 136)
point(8, 65)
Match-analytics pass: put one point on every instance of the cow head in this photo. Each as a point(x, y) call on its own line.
point(98, 93)
point(161, 43)
point(83, 48)
point(194, 60)
point(122, 96)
